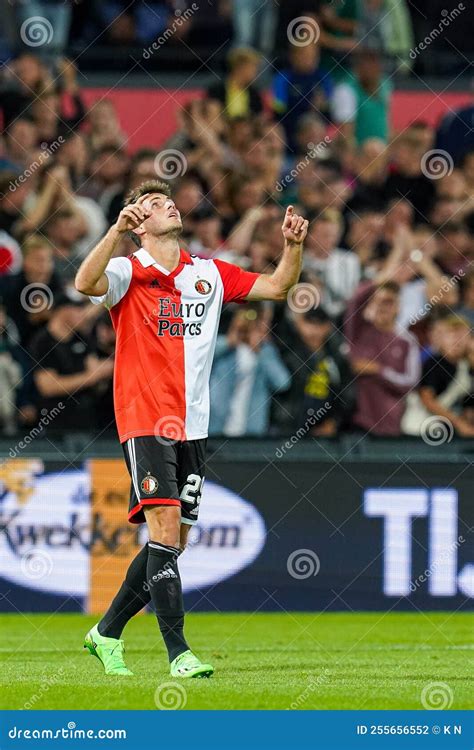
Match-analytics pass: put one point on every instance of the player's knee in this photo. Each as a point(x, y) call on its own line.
point(163, 524)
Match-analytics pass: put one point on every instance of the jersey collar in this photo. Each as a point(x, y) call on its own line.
point(146, 260)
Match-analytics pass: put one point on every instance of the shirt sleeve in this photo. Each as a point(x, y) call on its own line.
point(119, 274)
point(237, 282)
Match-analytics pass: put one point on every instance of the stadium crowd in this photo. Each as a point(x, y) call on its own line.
point(377, 337)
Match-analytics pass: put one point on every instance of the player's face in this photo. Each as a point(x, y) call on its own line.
point(164, 216)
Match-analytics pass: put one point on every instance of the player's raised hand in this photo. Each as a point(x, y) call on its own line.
point(131, 217)
point(294, 227)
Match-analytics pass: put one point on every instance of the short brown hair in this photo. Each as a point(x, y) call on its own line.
point(34, 242)
point(149, 186)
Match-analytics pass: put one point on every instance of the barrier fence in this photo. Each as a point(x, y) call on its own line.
point(275, 532)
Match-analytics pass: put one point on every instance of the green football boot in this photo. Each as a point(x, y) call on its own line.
point(188, 665)
point(108, 650)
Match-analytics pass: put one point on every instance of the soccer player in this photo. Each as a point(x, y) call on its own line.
point(165, 307)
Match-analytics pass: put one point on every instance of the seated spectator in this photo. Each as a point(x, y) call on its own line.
point(384, 357)
point(445, 383)
point(10, 376)
point(237, 92)
point(338, 271)
point(67, 368)
point(319, 398)
point(301, 87)
point(246, 372)
point(361, 102)
point(28, 294)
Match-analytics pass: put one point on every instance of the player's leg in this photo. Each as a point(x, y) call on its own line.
point(103, 640)
point(190, 473)
point(164, 581)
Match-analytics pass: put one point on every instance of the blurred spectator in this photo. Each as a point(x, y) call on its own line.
point(67, 368)
point(337, 271)
point(22, 80)
point(445, 382)
point(361, 103)
point(301, 87)
point(466, 308)
point(386, 25)
point(384, 357)
point(10, 376)
point(255, 24)
point(28, 295)
point(246, 372)
point(319, 398)
point(455, 134)
point(47, 20)
point(237, 92)
point(104, 126)
point(338, 24)
point(103, 337)
point(406, 176)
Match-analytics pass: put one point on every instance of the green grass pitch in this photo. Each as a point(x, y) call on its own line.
point(262, 661)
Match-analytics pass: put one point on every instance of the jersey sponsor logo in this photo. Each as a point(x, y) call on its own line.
point(203, 286)
point(155, 284)
point(149, 484)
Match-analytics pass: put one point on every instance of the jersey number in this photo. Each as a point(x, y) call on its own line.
point(192, 490)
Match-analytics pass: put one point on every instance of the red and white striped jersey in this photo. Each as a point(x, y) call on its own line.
point(166, 326)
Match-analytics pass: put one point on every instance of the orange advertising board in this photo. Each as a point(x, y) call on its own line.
point(114, 541)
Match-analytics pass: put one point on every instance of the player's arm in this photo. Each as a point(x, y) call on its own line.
point(275, 286)
point(91, 278)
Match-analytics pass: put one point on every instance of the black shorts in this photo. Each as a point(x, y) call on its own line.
point(165, 472)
